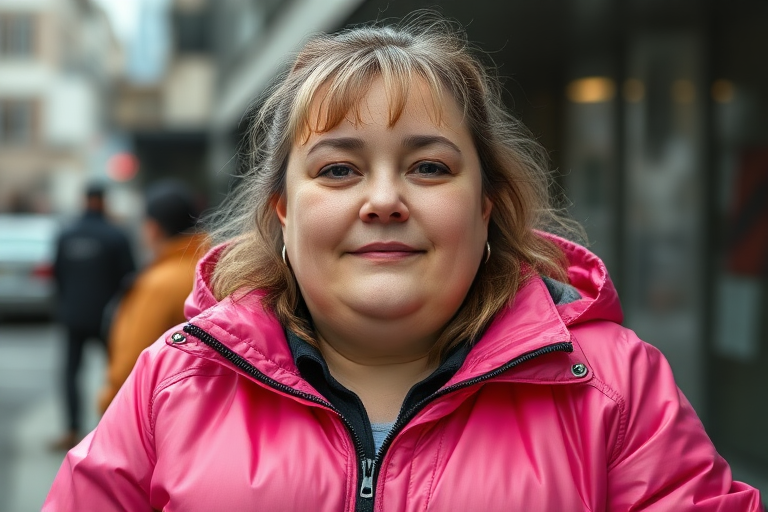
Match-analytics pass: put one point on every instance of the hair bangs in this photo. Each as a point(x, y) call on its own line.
point(326, 99)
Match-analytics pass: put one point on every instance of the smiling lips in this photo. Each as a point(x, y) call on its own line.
point(386, 251)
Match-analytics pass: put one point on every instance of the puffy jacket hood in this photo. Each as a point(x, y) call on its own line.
point(202, 296)
point(587, 273)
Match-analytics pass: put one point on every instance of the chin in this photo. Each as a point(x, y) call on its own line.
point(384, 307)
point(392, 304)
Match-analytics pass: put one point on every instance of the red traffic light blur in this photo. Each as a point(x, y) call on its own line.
point(122, 166)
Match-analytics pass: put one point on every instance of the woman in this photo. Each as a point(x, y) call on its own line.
point(386, 329)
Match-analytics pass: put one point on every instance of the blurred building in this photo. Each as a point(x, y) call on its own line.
point(251, 40)
point(166, 119)
point(57, 61)
point(656, 117)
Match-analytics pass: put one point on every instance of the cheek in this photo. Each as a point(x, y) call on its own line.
point(455, 219)
point(314, 219)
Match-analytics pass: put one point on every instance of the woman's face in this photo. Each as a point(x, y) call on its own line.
point(386, 224)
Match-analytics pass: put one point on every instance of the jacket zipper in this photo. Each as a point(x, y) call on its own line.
point(368, 467)
point(366, 485)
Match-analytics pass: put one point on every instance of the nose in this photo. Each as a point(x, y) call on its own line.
point(384, 202)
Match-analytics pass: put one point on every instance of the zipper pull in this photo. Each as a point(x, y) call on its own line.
point(366, 489)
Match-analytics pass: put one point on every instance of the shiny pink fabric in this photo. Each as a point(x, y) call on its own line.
point(190, 432)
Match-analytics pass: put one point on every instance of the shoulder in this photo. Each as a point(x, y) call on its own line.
point(636, 376)
point(618, 357)
point(104, 228)
point(162, 365)
point(66, 231)
point(610, 346)
point(163, 380)
point(655, 424)
point(72, 229)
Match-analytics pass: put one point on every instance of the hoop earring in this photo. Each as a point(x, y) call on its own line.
point(286, 263)
point(487, 248)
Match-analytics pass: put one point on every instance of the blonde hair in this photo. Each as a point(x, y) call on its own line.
point(335, 72)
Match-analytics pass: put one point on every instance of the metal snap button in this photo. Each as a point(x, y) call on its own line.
point(178, 338)
point(579, 370)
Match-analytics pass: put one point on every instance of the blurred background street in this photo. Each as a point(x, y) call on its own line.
point(31, 409)
point(655, 114)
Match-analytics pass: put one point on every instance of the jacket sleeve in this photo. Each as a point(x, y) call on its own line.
point(111, 469)
point(664, 459)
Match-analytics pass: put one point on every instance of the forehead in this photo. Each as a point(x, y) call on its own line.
point(332, 103)
point(424, 122)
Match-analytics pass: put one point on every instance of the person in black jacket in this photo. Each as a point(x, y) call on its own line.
point(92, 258)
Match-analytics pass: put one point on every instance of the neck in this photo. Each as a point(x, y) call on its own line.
point(382, 383)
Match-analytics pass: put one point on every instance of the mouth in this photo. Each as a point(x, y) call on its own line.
point(386, 251)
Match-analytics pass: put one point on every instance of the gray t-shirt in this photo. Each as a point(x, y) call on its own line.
point(380, 431)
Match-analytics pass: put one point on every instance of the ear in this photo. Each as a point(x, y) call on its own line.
point(487, 207)
point(280, 204)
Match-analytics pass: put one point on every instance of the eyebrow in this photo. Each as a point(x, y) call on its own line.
point(338, 143)
point(412, 142)
point(420, 141)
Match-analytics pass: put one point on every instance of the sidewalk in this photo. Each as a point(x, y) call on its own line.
point(32, 466)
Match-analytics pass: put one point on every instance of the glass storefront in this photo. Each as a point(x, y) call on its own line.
point(666, 164)
point(739, 215)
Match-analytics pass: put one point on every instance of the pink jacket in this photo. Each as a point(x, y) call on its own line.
point(556, 408)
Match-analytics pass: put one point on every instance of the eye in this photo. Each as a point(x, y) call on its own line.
point(431, 169)
point(336, 171)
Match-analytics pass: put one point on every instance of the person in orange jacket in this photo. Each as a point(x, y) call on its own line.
point(155, 300)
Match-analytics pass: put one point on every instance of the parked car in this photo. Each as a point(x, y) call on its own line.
point(27, 249)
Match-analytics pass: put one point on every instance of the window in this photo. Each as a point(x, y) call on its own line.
point(17, 35)
point(17, 122)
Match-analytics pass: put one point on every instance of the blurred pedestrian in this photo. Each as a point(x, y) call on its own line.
point(155, 300)
point(387, 327)
point(92, 257)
